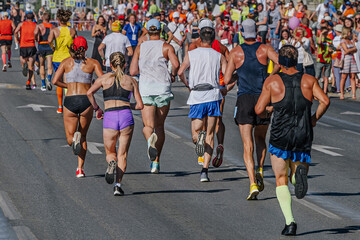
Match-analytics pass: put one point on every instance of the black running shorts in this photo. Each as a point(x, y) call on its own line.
point(245, 111)
point(5, 42)
point(26, 52)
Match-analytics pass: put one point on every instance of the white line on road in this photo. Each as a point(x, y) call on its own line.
point(190, 144)
point(350, 113)
point(8, 207)
point(317, 209)
point(332, 119)
point(323, 124)
point(173, 135)
point(349, 131)
point(24, 233)
point(325, 149)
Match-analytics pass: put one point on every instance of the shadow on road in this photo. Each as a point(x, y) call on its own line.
point(348, 229)
point(335, 194)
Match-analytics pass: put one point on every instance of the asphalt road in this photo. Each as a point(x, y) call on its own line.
point(40, 197)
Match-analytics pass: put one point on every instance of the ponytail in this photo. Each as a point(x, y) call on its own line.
point(117, 60)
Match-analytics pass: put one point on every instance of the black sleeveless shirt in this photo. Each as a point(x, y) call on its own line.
point(291, 128)
point(116, 92)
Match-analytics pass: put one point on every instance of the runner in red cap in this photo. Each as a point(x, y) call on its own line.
point(78, 111)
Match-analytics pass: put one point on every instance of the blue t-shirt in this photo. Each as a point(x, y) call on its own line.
point(132, 33)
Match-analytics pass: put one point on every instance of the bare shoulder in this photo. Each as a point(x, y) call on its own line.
point(236, 51)
point(308, 80)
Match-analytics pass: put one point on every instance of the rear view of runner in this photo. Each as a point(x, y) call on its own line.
point(45, 52)
point(250, 61)
point(291, 94)
point(205, 96)
point(7, 28)
point(78, 111)
point(27, 48)
point(63, 36)
point(118, 121)
point(150, 60)
point(16, 13)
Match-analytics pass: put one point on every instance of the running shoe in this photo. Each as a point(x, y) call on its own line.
point(59, 110)
point(200, 144)
point(254, 191)
point(28, 87)
point(16, 46)
point(289, 230)
point(76, 146)
point(118, 191)
point(204, 176)
point(152, 151)
point(110, 172)
point(9, 65)
point(48, 84)
point(218, 159)
point(80, 173)
point(25, 69)
point(4, 68)
point(155, 167)
point(301, 185)
point(43, 88)
point(259, 179)
point(37, 69)
point(34, 86)
point(201, 160)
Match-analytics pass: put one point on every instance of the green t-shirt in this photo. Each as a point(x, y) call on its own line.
point(154, 9)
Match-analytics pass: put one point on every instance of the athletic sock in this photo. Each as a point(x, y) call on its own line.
point(284, 197)
point(28, 82)
point(43, 82)
point(118, 184)
point(3, 56)
point(59, 93)
point(9, 54)
point(49, 77)
point(204, 170)
point(293, 181)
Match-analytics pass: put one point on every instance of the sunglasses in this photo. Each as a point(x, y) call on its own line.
point(80, 49)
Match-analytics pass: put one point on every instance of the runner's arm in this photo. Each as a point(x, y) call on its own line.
point(130, 51)
point(17, 30)
point(230, 68)
point(90, 94)
point(144, 32)
point(134, 67)
point(174, 61)
point(101, 52)
point(97, 69)
point(13, 27)
point(185, 65)
point(261, 107)
point(223, 63)
point(274, 57)
point(170, 36)
point(58, 78)
point(36, 32)
point(324, 102)
point(138, 105)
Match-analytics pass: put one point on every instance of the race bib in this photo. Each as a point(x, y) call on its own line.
point(134, 37)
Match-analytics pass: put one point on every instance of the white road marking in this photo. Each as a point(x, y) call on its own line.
point(8, 207)
point(185, 107)
point(324, 149)
point(323, 124)
point(8, 86)
point(317, 209)
point(173, 135)
point(92, 147)
point(349, 131)
point(36, 107)
point(24, 233)
point(190, 144)
point(351, 113)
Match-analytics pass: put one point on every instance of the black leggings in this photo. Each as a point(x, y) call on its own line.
point(77, 103)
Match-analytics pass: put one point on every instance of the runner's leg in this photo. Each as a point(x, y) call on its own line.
point(148, 117)
point(124, 144)
point(160, 116)
point(247, 139)
point(84, 123)
point(259, 136)
point(209, 140)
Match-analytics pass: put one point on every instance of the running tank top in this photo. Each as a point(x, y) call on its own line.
point(43, 39)
point(6, 29)
point(17, 18)
point(216, 47)
point(62, 44)
point(252, 73)
point(27, 38)
point(154, 75)
point(76, 75)
point(291, 128)
point(204, 75)
point(116, 92)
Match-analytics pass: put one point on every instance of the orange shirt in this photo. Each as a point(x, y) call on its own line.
point(27, 38)
point(348, 12)
point(6, 30)
point(193, 7)
point(182, 18)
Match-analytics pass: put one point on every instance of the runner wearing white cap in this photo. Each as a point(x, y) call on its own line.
point(205, 96)
point(150, 61)
point(250, 60)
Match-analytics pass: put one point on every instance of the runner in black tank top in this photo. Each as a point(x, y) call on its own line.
point(291, 94)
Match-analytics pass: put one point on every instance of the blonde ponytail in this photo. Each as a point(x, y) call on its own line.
point(117, 60)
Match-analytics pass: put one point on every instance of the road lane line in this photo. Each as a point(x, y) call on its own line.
point(317, 209)
point(324, 124)
point(24, 233)
point(173, 135)
point(8, 207)
point(349, 131)
point(341, 121)
point(190, 144)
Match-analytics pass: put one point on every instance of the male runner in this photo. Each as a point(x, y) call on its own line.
point(205, 96)
point(16, 14)
point(45, 52)
point(291, 94)
point(150, 61)
point(250, 61)
point(7, 28)
point(27, 48)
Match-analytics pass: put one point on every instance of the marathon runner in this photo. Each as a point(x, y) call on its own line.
point(63, 36)
point(291, 94)
point(45, 51)
point(250, 61)
point(27, 48)
point(16, 14)
point(150, 60)
point(205, 96)
point(7, 28)
point(165, 33)
point(118, 121)
point(78, 111)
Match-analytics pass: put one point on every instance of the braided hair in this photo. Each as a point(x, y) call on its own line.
point(117, 60)
point(77, 53)
point(63, 15)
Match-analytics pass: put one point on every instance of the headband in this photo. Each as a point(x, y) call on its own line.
point(287, 62)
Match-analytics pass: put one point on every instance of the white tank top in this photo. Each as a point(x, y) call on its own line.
point(154, 76)
point(204, 69)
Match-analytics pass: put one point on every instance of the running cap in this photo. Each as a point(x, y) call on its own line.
point(5, 14)
point(28, 7)
point(326, 2)
point(338, 28)
point(206, 23)
point(248, 29)
point(115, 26)
point(350, 16)
point(80, 42)
point(156, 14)
point(176, 15)
point(327, 18)
point(348, 3)
point(148, 15)
point(153, 23)
point(121, 17)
